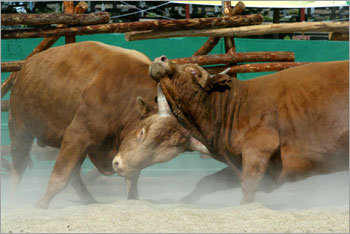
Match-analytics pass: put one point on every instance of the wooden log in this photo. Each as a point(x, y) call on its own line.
point(229, 41)
point(43, 45)
point(230, 47)
point(81, 7)
point(338, 36)
point(69, 9)
point(5, 105)
point(207, 46)
point(158, 25)
point(267, 56)
point(238, 9)
point(255, 67)
point(55, 18)
point(11, 66)
point(255, 30)
point(212, 41)
point(227, 8)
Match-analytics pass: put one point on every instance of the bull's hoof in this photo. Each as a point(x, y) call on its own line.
point(89, 201)
point(187, 200)
point(246, 200)
point(44, 205)
point(132, 197)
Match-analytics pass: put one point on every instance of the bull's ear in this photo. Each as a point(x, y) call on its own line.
point(142, 107)
point(219, 82)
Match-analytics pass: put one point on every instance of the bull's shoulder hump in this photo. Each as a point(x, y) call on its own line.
point(119, 51)
point(93, 48)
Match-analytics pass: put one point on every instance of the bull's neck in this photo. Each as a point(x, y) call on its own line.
point(215, 120)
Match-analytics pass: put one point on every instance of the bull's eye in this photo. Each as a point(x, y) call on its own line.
point(194, 72)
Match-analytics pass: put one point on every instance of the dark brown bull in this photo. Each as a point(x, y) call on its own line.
point(289, 125)
point(81, 98)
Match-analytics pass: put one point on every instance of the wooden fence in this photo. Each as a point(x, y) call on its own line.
point(73, 22)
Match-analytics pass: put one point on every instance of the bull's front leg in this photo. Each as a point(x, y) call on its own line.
point(256, 152)
point(80, 187)
point(131, 186)
point(72, 154)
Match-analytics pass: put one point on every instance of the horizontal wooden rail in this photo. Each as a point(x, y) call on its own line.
point(266, 56)
point(55, 18)
point(159, 25)
point(11, 66)
point(338, 36)
point(245, 31)
point(5, 105)
point(255, 67)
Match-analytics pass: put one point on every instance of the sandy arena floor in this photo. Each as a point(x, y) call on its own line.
point(318, 204)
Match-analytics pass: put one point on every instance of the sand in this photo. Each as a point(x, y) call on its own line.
point(143, 216)
point(319, 204)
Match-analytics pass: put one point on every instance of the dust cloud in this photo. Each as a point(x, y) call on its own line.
point(317, 204)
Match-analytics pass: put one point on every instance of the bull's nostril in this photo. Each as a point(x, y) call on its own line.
point(163, 58)
point(116, 164)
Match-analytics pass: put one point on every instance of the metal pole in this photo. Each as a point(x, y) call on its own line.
point(187, 11)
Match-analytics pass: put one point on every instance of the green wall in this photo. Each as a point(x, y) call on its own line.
point(305, 51)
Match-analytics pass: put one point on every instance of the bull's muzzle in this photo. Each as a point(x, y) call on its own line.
point(117, 165)
point(160, 68)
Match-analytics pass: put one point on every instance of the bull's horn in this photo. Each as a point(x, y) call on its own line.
point(163, 106)
point(196, 145)
point(225, 71)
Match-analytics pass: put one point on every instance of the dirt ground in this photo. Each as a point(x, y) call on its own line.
point(318, 204)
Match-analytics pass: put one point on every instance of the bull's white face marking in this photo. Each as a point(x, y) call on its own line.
point(141, 135)
point(117, 163)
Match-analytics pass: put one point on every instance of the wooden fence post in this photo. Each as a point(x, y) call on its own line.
point(69, 8)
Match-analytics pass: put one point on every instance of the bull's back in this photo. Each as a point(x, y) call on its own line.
point(48, 90)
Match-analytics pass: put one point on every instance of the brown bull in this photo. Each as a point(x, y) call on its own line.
point(81, 98)
point(289, 125)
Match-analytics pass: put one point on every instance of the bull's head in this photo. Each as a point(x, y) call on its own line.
point(186, 88)
point(157, 138)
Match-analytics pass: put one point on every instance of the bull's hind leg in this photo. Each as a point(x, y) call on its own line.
point(21, 143)
point(80, 187)
point(72, 153)
point(219, 181)
point(297, 164)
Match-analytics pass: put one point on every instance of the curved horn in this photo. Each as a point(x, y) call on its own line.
point(225, 71)
point(163, 106)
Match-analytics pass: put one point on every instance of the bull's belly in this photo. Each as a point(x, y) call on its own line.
point(303, 164)
point(47, 132)
point(45, 115)
point(48, 125)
